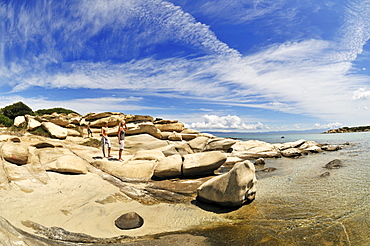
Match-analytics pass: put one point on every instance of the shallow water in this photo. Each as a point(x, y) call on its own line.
point(296, 206)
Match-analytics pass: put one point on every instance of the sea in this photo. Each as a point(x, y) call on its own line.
point(301, 202)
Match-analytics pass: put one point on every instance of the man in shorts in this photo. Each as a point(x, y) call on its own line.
point(121, 139)
point(105, 139)
point(89, 132)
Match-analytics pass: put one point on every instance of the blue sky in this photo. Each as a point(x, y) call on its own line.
point(230, 65)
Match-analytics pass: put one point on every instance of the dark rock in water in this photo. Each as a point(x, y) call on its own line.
point(325, 174)
point(259, 161)
point(336, 163)
point(129, 221)
point(331, 147)
point(268, 169)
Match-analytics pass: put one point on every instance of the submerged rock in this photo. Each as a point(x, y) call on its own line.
point(324, 174)
point(260, 161)
point(334, 164)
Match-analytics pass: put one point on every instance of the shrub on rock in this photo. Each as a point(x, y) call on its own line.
point(16, 109)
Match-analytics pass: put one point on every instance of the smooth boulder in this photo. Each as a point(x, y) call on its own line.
point(129, 220)
point(231, 189)
point(169, 167)
point(16, 153)
point(55, 130)
point(202, 163)
point(68, 164)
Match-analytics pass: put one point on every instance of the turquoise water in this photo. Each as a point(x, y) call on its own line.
point(296, 206)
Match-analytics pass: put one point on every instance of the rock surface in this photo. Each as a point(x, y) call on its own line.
point(164, 164)
point(202, 163)
point(231, 189)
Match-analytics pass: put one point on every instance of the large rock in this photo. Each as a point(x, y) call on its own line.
point(47, 154)
point(331, 147)
point(112, 120)
point(169, 167)
point(289, 145)
point(291, 152)
point(32, 124)
point(143, 142)
point(171, 127)
point(254, 149)
point(20, 121)
point(68, 164)
point(143, 128)
point(175, 136)
point(73, 133)
point(132, 170)
point(202, 163)
point(314, 149)
point(182, 148)
point(138, 118)
point(60, 121)
point(223, 144)
point(198, 144)
point(16, 153)
point(55, 130)
point(152, 155)
point(231, 189)
point(93, 116)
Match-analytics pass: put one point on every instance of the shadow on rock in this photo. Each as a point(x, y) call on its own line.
point(213, 207)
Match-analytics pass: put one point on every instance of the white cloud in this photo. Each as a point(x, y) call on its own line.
point(311, 77)
point(361, 94)
point(235, 11)
point(230, 122)
point(333, 125)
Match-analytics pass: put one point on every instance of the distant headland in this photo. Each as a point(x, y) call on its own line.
point(349, 129)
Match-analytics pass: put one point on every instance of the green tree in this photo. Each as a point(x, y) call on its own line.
point(5, 121)
point(55, 110)
point(16, 109)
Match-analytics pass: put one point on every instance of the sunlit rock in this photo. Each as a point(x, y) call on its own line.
point(231, 189)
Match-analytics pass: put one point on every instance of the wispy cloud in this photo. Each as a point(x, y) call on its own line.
point(110, 45)
point(235, 11)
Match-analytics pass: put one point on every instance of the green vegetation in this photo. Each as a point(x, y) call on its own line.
point(40, 132)
point(16, 109)
point(350, 129)
point(5, 121)
point(55, 110)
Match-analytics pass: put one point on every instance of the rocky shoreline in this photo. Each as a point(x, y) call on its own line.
point(349, 129)
point(66, 192)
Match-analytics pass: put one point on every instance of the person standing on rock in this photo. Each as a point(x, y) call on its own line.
point(121, 139)
point(89, 132)
point(105, 139)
